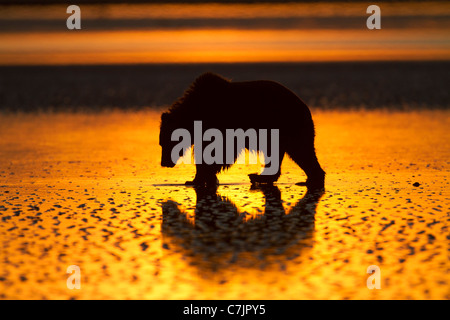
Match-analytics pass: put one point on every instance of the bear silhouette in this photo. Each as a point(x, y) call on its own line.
point(222, 104)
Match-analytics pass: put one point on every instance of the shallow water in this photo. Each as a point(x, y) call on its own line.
point(88, 190)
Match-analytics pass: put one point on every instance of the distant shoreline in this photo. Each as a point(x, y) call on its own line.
point(326, 86)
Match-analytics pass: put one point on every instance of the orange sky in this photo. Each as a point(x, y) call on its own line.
point(224, 44)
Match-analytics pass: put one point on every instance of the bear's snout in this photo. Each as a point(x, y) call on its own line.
point(168, 163)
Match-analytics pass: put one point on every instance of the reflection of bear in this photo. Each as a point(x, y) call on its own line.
point(222, 104)
point(220, 228)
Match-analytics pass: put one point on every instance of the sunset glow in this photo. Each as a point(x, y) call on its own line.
point(348, 170)
point(224, 33)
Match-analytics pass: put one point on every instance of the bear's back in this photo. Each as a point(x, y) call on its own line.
point(220, 103)
point(267, 99)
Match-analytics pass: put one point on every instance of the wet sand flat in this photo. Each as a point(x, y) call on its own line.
point(86, 189)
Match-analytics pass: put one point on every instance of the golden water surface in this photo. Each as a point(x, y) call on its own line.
point(88, 190)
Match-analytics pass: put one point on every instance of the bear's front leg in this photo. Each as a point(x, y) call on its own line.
point(264, 177)
point(205, 176)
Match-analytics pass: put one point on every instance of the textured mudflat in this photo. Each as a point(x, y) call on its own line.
point(87, 190)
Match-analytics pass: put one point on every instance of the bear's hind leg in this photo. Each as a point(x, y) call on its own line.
point(307, 160)
point(205, 176)
point(268, 178)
